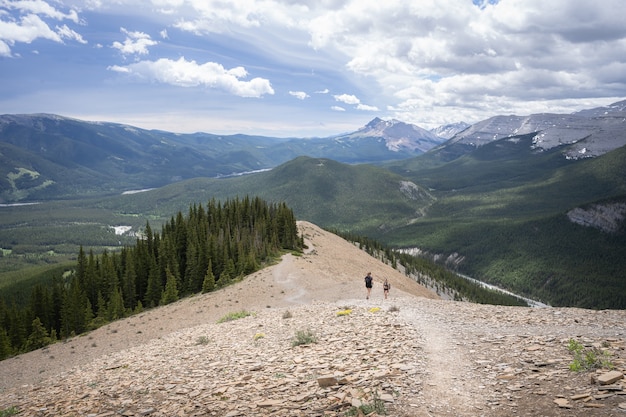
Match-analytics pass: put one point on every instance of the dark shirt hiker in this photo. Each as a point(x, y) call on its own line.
point(369, 283)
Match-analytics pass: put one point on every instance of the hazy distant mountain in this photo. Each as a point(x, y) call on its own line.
point(449, 130)
point(398, 136)
point(588, 133)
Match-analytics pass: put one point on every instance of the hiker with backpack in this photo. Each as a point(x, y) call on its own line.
point(369, 283)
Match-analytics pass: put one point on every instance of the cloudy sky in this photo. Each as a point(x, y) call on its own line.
point(310, 67)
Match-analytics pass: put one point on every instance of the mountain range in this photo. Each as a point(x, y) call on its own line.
point(535, 204)
point(45, 156)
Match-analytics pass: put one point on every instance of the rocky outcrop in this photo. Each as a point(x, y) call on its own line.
point(607, 217)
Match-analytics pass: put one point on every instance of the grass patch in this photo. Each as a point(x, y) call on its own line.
point(11, 411)
point(234, 316)
point(374, 309)
point(345, 312)
point(303, 338)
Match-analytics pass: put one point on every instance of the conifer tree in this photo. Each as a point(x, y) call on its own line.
point(38, 337)
point(208, 284)
point(5, 344)
point(170, 292)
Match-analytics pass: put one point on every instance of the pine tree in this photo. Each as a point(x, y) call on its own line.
point(208, 284)
point(5, 344)
point(38, 337)
point(170, 293)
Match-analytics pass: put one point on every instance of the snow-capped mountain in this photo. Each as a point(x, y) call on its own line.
point(398, 136)
point(448, 131)
point(589, 133)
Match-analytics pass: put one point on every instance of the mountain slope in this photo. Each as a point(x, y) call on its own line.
point(323, 191)
point(589, 133)
point(505, 208)
point(60, 157)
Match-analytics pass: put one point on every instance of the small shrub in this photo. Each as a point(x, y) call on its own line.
point(234, 316)
point(287, 314)
point(374, 309)
point(394, 309)
point(587, 358)
point(202, 340)
point(344, 312)
point(11, 411)
point(303, 338)
point(377, 406)
point(259, 336)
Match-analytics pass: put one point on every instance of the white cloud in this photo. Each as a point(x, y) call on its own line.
point(39, 7)
point(347, 98)
point(351, 99)
point(299, 94)
point(185, 73)
point(423, 54)
point(366, 107)
point(67, 33)
point(135, 43)
point(337, 108)
point(427, 62)
point(29, 25)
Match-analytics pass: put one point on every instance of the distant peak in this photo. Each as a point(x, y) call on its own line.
point(374, 122)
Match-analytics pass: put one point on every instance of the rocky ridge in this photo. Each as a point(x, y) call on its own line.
point(409, 355)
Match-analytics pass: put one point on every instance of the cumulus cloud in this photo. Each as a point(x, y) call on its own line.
point(41, 8)
point(347, 98)
point(24, 22)
point(185, 73)
point(351, 99)
point(135, 43)
point(337, 108)
point(299, 94)
point(429, 62)
point(512, 52)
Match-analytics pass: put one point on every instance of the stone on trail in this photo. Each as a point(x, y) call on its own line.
point(562, 402)
point(610, 377)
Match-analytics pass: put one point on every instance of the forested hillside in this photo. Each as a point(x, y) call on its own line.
point(202, 251)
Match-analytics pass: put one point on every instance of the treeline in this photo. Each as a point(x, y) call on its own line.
point(205, 250)
point(427, 272)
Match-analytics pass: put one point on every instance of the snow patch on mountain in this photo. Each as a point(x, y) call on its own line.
point(448, 131)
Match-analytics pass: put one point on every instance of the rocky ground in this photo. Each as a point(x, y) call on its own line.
point(312, 345)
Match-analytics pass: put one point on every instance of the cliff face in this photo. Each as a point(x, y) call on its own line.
point(606, 217)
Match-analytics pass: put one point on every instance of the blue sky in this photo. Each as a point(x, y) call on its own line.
point(308, 68)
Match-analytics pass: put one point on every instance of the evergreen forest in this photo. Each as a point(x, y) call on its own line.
point(207, 249)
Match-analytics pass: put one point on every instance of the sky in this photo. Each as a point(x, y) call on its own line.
point(308, 68)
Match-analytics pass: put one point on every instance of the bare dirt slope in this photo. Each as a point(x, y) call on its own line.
point(410, 355)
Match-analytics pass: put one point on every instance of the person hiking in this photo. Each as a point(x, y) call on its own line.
point(386, 287)
point(369, 283)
